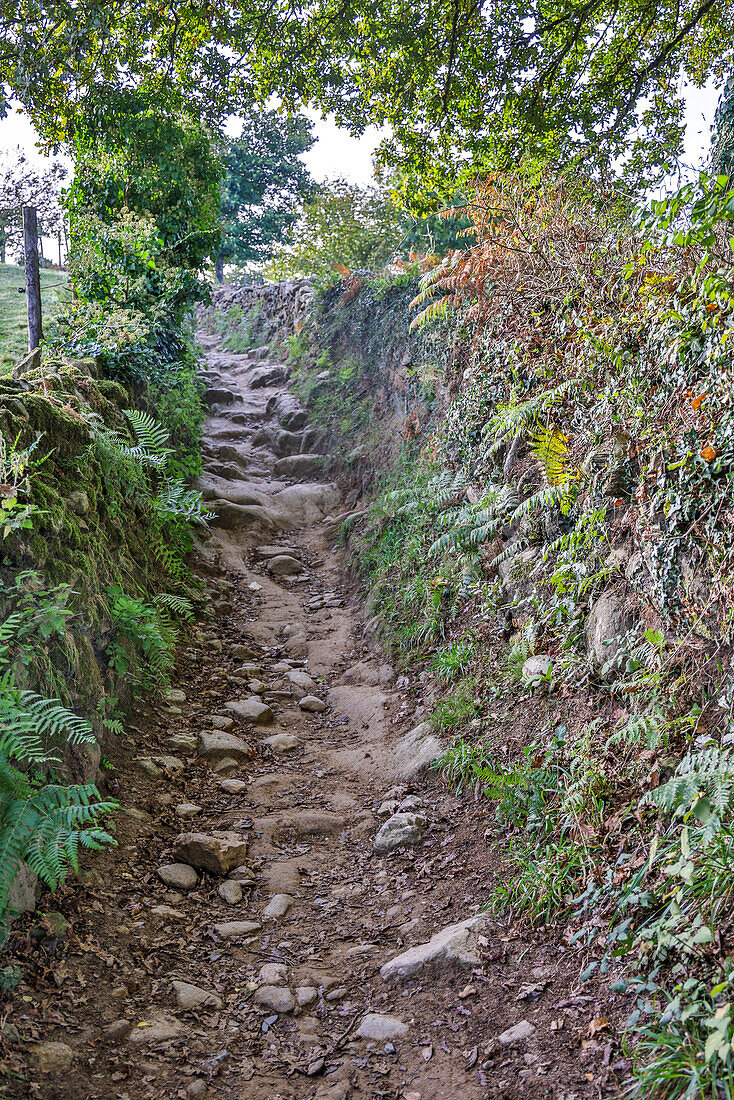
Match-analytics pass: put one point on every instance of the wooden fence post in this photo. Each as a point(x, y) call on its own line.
point(32, 277)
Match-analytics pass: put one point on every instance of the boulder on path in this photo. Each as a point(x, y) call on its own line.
point(302, 683)
point(268, 376)
point(51, 1058)
point(457, 945)
point(265, 553)
point(251, 710)
point(416, 750)
point(282, 742)
point(312, 705)
point(191, 996)
point(217, 744)
point(400, 831)
point(274, 998)
point(518, 1033)
point(179, 876)
point(216, 853)
point(218, 396)
point(287, 443)
point(378, 1027)
point(277, 907)
point(232, 516)
point(284, 566)
point(309, 465)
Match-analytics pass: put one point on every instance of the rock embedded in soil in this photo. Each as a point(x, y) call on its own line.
point(535, 670)
point(230, 929)
point(252, 710)
point(50, 1058)
point(277, 907)
point(306, 995)
point(312, 705)
point(302, 683)
point(218, 745)
point(187, 809)
point(179, 876)
point(275, 998)
point(273, 974)
point(518, 1033)
point(454, 946)
point(192, 996)
point(266, 553)
point(400, 831)
point(285, 566)
point(378, 1027)
point(282, 742)
point(219, 722)
point(159, 1029)
point(217, 853)
point(118, 1029)
point(175, 696)
point(232, 786)
point(230, 891)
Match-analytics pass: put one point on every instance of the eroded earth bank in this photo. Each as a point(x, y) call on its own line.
point(295, 908)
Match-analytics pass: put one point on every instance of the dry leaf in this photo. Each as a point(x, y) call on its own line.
point(467, 991)
point(698, 401)
point(600, 1023)
point(708, 454)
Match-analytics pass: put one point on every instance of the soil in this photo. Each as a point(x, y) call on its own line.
point(100, 958)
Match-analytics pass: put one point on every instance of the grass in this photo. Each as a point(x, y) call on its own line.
point(13, 316)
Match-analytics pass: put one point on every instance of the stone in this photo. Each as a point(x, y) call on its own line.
point(282, 742)
point(242, 874)
point(179, 876)
point(535, 670)
point(232, 786)
point(242, 653)
point(155, 766)
point(167, 912)
point(257, 687)
point(183, 741)
point(217, 853)
point(232, 928)
point(273, 973)
point(268, 376)
point(277, 907)
point(118, 1029)
point(22, 896)
point(187, 809)
point(175, 696)
point(191, 996)
point(387, 809)
point(284, 566)
point(216, 745)
point(607, 625)
point(518, 1033)
point(306, 995)
point(416, 751)
point(50, 1058)
point(378, 1027)
point(265, 553)
point(301, 682)
point(219, 722)
point(274, 998)
point(230, 891)
point(251, 710)
point(286, 443)
point(78, 502)
point(400, 831)
point(226, 765)
point(412, 802)
point(457, 945)
point(308, 465)
point(158, 1029)
point(312, 705)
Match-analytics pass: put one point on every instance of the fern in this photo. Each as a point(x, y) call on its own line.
point(549, 447)
point(177, 605)
point(42, 824)
point(703, 782)
point(510, 418)
point(142, 648)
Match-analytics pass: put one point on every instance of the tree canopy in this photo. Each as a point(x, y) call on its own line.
point(264, 185)
point(462, 84)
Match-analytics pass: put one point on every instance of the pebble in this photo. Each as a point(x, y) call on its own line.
point(284, 566)
point(379, 1027)
point(187, 809)
point(217, 853)
point(175, 695)
point(278, 906)
point(232, 786)
point(251, 710)
point(191, 996)
point(231, 892)
point(179, 876)
point(282, 742)
point(118, 1029)
point(230, 929)
point(312, 705)
point(306, 996)
point(337, 994)
point(275, 998)
point(273, 973)
point(219, 722)
point(518, 1033)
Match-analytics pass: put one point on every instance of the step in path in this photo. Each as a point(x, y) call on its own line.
point(295, 909)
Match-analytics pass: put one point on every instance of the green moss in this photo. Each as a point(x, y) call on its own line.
point(114, 392)
point(89, 676)
point(68, 435)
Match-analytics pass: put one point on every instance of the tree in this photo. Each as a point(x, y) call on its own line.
point(23, 184)
point(342, 225)
point(464, 85)
point(724, 129)
point(264, 185)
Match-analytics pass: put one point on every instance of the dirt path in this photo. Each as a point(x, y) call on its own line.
point(271, 771)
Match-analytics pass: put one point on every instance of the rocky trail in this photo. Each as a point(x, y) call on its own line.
point(295, 908)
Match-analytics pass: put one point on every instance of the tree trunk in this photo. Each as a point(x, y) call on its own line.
point(32, 277)
point(219, 268)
